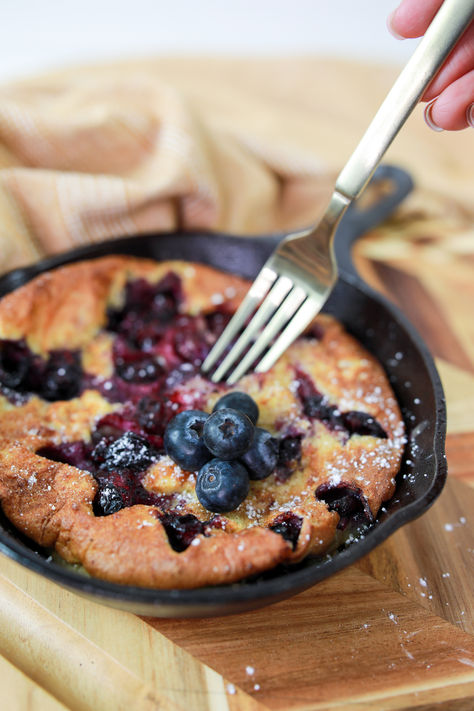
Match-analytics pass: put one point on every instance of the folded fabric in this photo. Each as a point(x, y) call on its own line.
point(93, 153)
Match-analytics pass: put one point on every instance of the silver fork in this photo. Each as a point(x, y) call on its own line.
point(298, 277)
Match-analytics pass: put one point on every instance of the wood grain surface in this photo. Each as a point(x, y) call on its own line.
point(394, 631)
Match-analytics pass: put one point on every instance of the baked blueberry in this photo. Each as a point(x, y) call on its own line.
point(108, 500)
point(15, 360)
point(62, 376)
point(318, 408)
point(216, 321)
point(316, 405)
point(99, 452)
point(190, 341)
point(228, 433)
point(150, 414)
point(347, 500)
point(142, 370)
point(146, 310)
point(130, 451)
point(179, 375)
point(288, 525)
point(114, 425)
point(290, 449)
point(362, 423)
point(222, 485)
point(262, 457)
point(75, 453)
point(181, 530)
point(239, 401)
point(289, 456)
point(184, 441)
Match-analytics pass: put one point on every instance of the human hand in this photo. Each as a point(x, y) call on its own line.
point(450, 95)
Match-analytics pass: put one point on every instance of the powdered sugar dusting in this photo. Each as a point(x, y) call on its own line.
point(32, 480)
point(143, 524)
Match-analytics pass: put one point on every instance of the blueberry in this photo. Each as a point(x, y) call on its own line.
point(362, 423)
point(62, 376)
point(108, 500)
point(15, 359)
point(130, 451)
point(222, 485)
point(184, 442)
point(290, 449)
point(99, 452)
point(150, 414)
point(239, 401)
point(114, 425)
point(288, 525)
point(216, 321)
point(177, 376)
point(317, 407)
point(262, 457)
point(75, 453)
point(289, 456)
point(228, 433)
point(141, 370)
point(181, 530)
point(347, 500)
point(189, 340)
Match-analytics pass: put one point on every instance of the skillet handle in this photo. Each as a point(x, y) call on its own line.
point(391, 186)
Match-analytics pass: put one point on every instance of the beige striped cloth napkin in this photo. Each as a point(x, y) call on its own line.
point(91, 153)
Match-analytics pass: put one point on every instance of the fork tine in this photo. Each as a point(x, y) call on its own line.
point(286, 311)
point(272, 301)
point(300, 320)
point(255, 294)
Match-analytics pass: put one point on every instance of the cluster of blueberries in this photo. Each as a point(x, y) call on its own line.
point(225, 448)
point(57, 377)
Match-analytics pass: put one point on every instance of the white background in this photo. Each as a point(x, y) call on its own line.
point(36, 35)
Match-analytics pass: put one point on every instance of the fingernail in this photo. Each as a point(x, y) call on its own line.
point(470, 115)
point(429, 118)
point(390, 27)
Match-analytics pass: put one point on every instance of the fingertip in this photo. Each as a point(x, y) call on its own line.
point(440, 117)
point(411, 19)
point(470, 115)
point(452, 110)
point(391, 26)
point(428, 116)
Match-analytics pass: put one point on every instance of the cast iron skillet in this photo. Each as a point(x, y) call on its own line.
point(374, 321)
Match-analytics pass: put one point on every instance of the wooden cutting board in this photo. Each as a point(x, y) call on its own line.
point(394, 631)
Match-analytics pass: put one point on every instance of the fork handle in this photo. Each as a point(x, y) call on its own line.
point(450, 22)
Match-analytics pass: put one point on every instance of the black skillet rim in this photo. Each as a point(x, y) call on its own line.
point(228, 599)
